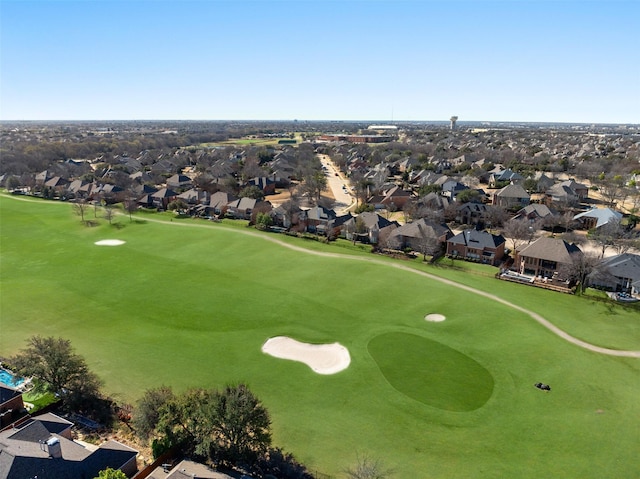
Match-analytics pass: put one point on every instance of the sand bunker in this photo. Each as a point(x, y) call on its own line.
point(435, 318)
point(109, 242)
point(321, 358)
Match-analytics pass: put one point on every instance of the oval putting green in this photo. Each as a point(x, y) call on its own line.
point(431, 372)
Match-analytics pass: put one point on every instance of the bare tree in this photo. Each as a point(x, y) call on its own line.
point(367, 468)
point(581, 266)
point(109, 212)
point(80, 208)
point(609, 235)
point(519, 231)
point(130, 206)
point(611, 189)
point(428, 243)
point(494, 216)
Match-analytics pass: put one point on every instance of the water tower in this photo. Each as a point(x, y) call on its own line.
point(453, 122)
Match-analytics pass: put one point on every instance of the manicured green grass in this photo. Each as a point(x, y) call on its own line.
point(39, 400)
point(431, 372)
point(190, 303)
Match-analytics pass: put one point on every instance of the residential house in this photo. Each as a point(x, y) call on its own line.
point(163, 197)
point(179, 182)
point(42, 447)
point(11, 407)
point(618, 273)
point(471, 213)
point(79, 189)
point(370, 222)
point(42, 177)
point(597, 217)
point(286, 216)
point(317, 219)
point(266, 185)
point(504, 175)
point(511, 196)
point(219, 201)
point(140, 177)
point(187, 470)
point(433, 201)
point(475, 245)
point(544, 257)
point(534, 212)
point(394, 197)
point(581, 190)
point(452, 188)
point(241, 208)
point(412, 235)
point(58, 184)
point(561, 196)
point(543, 182)
point(194, 196)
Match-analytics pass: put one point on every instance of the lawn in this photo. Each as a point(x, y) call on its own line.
point(190, 306)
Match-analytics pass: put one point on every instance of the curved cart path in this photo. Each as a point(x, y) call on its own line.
point(544, 322)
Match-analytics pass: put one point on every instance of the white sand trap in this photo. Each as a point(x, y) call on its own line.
point(435, 318)
point(321, 358)
point(109, 242)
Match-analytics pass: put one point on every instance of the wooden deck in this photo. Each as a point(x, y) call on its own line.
point(559, 286)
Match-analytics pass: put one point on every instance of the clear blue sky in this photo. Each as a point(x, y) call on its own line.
point(563, 60)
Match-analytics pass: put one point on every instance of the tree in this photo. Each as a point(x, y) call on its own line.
point(494, 216)
point(146, 415)
point(608, 235)
point(468, 195)
point(54, 363)
point(367, 468)
point(11, 183)
point(80, 208)
point(130, 206)
point(240, 425)
point(519, 231)
point(177, 205)
point(109, 212)
point(427, 242)
point(315, 183)
point(263, 221)
point(109, 473)
point(579, 268)
point(252, 192)
point(229, 426)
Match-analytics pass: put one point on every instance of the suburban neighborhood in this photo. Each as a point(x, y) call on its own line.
point(554, 207)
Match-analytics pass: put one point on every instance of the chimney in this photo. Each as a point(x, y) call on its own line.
point(55, 450)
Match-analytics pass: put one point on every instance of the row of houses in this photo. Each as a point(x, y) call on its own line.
point(45, 447)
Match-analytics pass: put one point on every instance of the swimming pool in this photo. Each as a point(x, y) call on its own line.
point(9, 379)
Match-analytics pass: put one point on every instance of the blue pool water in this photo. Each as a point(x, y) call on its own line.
point(9, 379)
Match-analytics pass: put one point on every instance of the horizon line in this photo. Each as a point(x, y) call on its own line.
point(295, 120)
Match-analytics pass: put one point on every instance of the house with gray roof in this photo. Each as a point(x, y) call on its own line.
point(544, 257)
point(411, 235)
point(371, 222)
point(597, 217)
point(479, 246)
point(618, 273)
point(471, 213)
point(187, 470)
point(504, 175)
point(511, 196)
point(534, 212)
point(561, 195)
point(43, 448)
